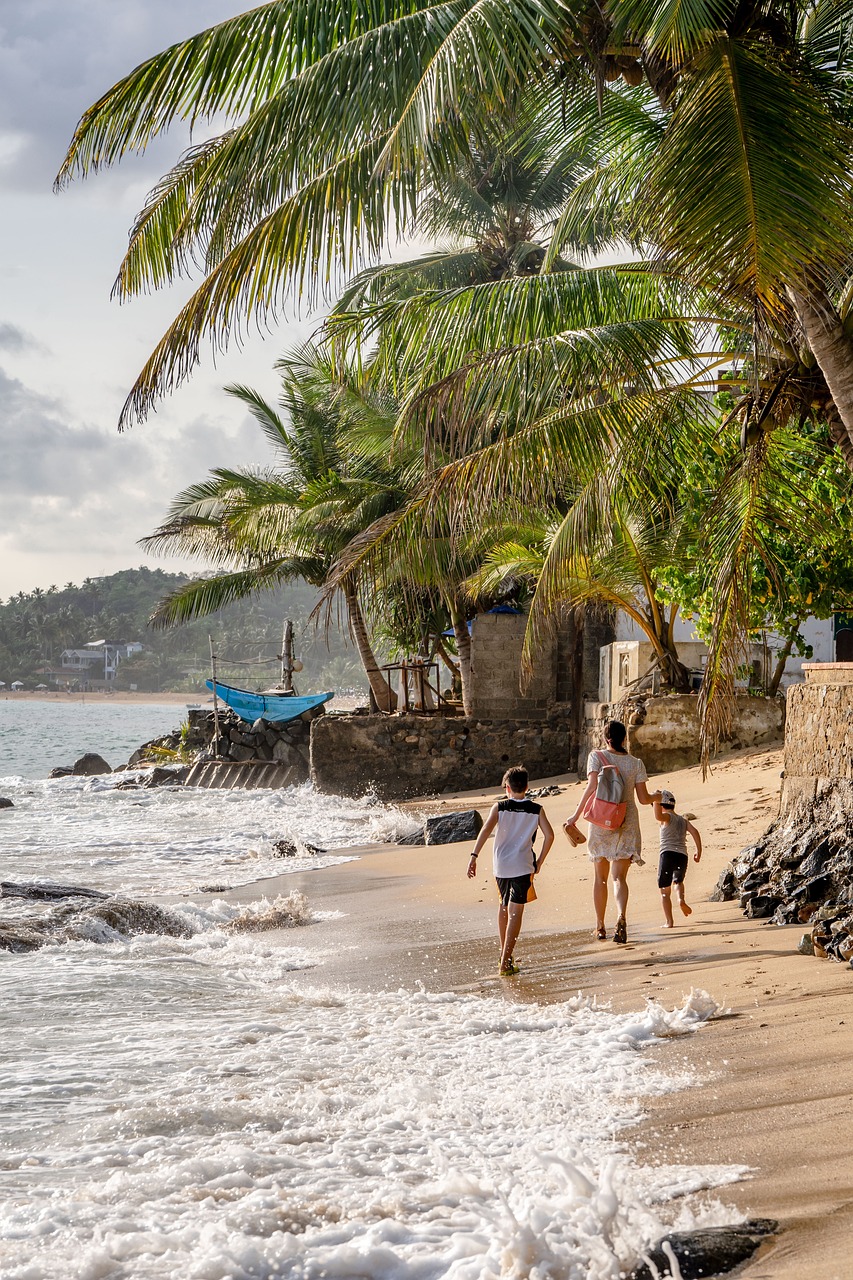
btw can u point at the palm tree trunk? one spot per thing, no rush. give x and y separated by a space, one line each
386 699
833 350
781 658
463 648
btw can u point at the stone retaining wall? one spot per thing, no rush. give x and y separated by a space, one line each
285 744
819 741
396 757
664 731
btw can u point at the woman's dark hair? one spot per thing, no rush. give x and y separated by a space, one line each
615 733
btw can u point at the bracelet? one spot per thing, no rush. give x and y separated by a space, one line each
475 856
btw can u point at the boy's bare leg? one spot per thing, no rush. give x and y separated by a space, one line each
666 903
514 912
599 890
502 925
679 893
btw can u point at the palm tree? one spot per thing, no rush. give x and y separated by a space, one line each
338 122
292 521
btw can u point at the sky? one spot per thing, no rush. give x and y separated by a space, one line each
75 494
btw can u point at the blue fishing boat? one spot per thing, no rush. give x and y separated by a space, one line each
275 707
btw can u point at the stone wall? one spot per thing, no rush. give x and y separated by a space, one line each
664 731
396 757
819 739
286 744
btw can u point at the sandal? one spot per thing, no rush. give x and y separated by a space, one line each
621 932
601 934
509 970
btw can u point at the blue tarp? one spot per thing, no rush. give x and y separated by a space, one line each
278 708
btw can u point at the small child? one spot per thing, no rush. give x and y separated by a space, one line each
672 868
517 820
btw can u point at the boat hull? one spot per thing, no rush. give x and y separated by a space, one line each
276 708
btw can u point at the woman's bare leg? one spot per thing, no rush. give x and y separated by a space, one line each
599 890
619 871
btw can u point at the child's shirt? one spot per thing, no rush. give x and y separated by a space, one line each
673 834
518 821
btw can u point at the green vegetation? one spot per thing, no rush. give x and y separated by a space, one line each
506 414
36 627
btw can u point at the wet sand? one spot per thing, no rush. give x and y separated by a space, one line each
774 1091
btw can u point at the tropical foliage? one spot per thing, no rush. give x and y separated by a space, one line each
705 147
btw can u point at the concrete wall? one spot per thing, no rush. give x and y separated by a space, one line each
396 757
665 732
819 739
496 643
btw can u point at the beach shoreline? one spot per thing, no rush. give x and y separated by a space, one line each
765 1096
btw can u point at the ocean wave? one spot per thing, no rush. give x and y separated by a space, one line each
117 920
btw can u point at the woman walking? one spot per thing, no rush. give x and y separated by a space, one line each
613 851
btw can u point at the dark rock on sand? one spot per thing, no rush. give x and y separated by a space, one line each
414 838
725 889
90 765
761 906
287 848
453 828
712 1251
47 892
6 803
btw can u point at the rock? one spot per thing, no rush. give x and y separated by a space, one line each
6 803
61 771
725 889
711 1251
813 890
415 838
283 849
453 828
163 776
761 906
90 765
47 892
815 863
805 945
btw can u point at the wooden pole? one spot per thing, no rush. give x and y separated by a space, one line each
287 657
215 702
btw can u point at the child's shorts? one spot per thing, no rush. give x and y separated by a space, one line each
513 889
672 869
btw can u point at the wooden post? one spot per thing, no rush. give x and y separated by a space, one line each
287 657
215 702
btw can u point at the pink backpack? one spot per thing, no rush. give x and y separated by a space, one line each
607 807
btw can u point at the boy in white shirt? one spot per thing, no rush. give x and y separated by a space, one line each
517 820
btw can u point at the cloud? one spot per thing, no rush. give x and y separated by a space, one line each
69 487
57 57
17 340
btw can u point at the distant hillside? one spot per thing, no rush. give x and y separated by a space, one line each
36 627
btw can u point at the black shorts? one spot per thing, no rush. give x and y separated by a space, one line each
513 889
672 869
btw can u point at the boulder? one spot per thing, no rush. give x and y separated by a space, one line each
414 838
90 765
710 1251
61 771
453 828
6 803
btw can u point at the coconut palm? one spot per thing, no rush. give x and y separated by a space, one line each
264 527
338 120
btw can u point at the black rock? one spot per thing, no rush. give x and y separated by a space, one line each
47 892
416 838
6 803
815 863
164 776
453 828
90 765
813 890
761 906
709 1252
61 771
725 889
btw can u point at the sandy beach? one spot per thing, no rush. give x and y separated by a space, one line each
773 1091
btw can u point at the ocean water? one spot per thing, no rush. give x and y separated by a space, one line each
37 736
183 1095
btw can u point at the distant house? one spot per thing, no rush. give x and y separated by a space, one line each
94 666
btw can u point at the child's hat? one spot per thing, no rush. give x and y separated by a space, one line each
667 800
